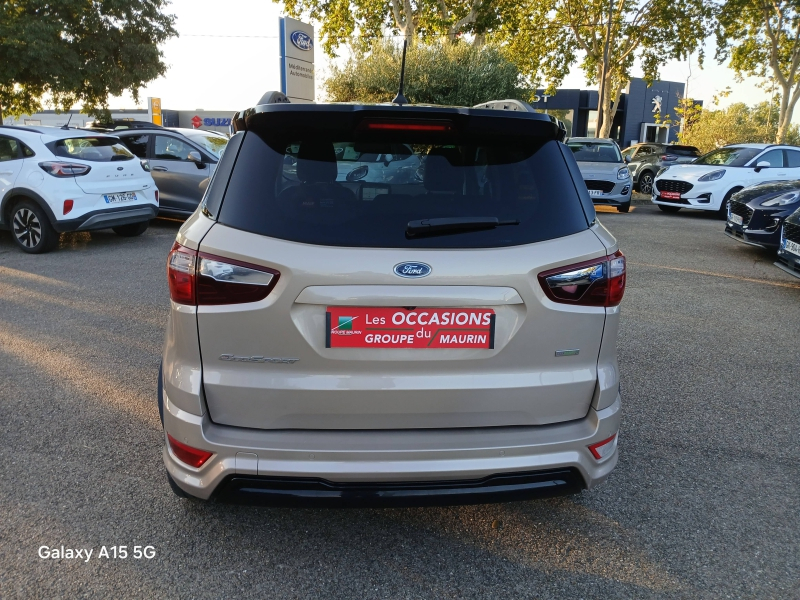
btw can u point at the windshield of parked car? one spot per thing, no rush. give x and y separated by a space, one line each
351 193
729 157
595 152
97 149
213 144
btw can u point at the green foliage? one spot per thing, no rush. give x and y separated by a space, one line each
78 51
360 23
544 38
736 124
457 74
762 39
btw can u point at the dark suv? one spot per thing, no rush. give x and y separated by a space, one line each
644 161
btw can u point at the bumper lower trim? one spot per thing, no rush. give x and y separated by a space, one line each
285 491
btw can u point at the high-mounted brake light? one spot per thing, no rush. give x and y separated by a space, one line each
201 279
194 457
604 448
426 126
64 169
598 282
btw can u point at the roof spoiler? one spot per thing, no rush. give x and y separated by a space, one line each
270 97
520 106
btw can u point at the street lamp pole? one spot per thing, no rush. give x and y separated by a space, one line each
601 99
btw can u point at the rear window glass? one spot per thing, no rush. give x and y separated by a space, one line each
682 150
345 193
97 149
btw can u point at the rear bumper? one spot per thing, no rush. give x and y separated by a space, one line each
437 466
112 217
281 491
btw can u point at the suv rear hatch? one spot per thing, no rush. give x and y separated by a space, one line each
329 213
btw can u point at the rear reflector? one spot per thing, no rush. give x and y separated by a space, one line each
598 282
156 196
200 279
186 454
604 448
68 204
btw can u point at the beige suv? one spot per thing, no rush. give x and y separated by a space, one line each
392 305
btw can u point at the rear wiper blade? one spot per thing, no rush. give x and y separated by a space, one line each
447 225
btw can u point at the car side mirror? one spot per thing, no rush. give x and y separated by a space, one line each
626 158
195 157
761 165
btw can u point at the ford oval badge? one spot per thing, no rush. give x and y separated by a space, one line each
412 269
302 40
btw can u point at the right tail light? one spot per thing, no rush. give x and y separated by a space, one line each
598 282
200 279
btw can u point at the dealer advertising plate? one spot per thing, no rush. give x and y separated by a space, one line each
418 328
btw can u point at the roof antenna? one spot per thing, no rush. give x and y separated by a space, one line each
400 99
66 125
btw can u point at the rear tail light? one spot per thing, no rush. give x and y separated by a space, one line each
64 169
598 282
193 457
430 126
145 164
68 204
605 448
198 278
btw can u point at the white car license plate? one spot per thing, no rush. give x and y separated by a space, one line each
792 247
737 219
122 197
595 192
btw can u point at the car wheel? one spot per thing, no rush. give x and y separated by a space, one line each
624 207
646 183
669 209
722 213
131 230
32 230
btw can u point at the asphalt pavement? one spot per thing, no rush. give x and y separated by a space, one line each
705 502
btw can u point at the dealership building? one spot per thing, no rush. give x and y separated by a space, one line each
635 120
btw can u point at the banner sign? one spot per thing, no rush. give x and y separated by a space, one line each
382 327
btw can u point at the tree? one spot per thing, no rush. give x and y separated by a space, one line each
78 51
737 124
361 22
762 37
545 38
450 74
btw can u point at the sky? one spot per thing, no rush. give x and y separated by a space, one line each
226 60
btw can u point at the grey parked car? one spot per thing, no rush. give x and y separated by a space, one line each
604 171
182 162
645 160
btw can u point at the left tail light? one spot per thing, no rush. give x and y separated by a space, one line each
598 282
199 279
64 169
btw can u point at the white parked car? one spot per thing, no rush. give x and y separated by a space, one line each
56 179
709 182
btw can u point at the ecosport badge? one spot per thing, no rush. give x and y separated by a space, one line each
302 40
259 359
412 269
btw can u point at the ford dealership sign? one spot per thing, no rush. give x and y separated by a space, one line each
302 40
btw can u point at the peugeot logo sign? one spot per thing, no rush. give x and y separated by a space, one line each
412 269
302 40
